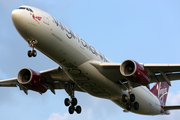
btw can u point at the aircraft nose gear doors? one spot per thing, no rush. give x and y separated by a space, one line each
32 52
73 102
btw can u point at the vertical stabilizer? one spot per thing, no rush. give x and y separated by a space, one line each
160 90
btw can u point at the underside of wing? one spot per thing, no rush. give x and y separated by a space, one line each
57 79
9 82
156 72
50 79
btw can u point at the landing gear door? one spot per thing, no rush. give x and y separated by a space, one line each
45 18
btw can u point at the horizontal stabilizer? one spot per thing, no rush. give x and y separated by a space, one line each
171 107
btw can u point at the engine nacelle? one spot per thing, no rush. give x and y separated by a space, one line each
134 72
32 80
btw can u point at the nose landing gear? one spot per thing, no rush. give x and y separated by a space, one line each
32 52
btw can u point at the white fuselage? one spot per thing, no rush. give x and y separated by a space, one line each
75 55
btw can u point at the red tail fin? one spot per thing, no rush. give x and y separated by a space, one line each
160 90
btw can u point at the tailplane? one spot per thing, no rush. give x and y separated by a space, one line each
160 90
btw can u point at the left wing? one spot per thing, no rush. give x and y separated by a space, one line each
9 82
55 79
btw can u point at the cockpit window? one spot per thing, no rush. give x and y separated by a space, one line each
22 8
28 9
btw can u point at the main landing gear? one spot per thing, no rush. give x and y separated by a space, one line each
32 52
73 102
73 106
130 100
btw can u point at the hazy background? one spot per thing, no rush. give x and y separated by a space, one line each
145 31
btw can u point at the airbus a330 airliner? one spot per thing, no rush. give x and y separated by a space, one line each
83 68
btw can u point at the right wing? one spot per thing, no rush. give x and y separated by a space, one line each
157 72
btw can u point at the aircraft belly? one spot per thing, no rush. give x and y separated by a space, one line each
90 80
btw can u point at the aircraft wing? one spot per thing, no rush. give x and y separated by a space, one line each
157 72
55 78
9 82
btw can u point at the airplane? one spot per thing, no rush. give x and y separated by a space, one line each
83 68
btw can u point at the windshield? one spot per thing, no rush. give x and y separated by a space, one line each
28 9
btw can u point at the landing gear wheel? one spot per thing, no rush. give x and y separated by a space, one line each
78 109
29 53
132 97
67 102
128 106
124 98
34 53
71 109
74 101
136 105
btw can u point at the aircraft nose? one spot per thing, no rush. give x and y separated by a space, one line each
17 18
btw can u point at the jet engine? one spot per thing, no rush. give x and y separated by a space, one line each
32 80
134 72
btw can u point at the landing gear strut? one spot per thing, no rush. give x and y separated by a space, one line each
32 52
73 102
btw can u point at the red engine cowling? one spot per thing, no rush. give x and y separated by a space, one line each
32 80
134 72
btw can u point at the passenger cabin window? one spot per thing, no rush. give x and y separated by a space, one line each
28 9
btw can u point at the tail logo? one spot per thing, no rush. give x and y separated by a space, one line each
162 92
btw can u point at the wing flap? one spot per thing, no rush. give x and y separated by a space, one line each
56 74
155 68
159 78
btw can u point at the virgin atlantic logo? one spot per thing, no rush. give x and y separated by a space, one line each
36 18
161 92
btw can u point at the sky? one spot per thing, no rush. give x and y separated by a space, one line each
145 31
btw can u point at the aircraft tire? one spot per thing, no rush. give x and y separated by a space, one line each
128 106
136 105
74 101
34 53
124 98
78 109
67 102
132 97
71 109
29 53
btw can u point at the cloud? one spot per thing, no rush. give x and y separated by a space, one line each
57 116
